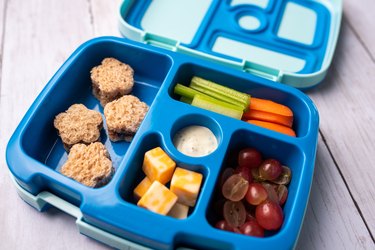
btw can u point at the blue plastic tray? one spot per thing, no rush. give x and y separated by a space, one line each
288 41
35 152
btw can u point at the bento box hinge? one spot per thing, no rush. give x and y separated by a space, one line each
262 71
161 42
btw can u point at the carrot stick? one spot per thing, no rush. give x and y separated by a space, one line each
273 126
270 106
254 114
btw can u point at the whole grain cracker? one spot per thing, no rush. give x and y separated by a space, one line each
90 165
78 125
111 80
124 116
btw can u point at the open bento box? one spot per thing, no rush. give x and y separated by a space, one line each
210 48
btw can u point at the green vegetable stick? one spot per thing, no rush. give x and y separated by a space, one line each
182 90
217 106
219 91
220 96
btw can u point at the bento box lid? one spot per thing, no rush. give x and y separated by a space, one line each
287 41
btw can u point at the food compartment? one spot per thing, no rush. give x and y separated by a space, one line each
130 188
253 86
287 154
36 153
72 84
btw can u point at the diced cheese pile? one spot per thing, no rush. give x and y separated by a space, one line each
152 193
186 185
158 198
158 166
142 187
179 211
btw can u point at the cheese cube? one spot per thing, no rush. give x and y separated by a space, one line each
158 198
179 211
141 188
158 166
186 185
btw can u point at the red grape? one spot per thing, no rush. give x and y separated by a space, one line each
223 225
225 175
245 173
235 188
249 158
270 169
256 194
252 228
234 213
255 175
285 176
282 193
269 215
271 191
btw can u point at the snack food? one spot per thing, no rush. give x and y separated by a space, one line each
111 80
186 185
220 99
78 125
141 188
161 172
158 166
195 141
89 164
124 116
158 198
179 211
252 206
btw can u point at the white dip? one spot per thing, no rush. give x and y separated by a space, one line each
195 141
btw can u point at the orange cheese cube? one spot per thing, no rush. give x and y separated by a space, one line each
186 185
158 166
179 211
141 188
158 198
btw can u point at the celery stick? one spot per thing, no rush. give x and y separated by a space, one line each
217 106
220 92
182 90
220 96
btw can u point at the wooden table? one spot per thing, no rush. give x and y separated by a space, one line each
37 36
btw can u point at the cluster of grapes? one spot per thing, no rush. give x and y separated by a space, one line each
253 194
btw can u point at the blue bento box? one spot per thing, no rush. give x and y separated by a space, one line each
109 214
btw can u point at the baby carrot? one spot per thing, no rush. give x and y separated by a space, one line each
273 126
260 115
270 106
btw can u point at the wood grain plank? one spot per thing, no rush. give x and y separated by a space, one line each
332 221
360 16
2 25
40 35
346 104
105 17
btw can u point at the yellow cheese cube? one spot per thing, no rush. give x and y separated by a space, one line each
186 185
158 166
158 198
141 188
179 211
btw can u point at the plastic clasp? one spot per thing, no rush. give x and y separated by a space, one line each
160 41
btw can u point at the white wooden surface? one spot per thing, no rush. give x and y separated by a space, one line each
37 36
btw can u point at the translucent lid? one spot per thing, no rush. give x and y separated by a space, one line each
286 41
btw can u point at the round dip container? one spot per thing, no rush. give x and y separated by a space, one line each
195 141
